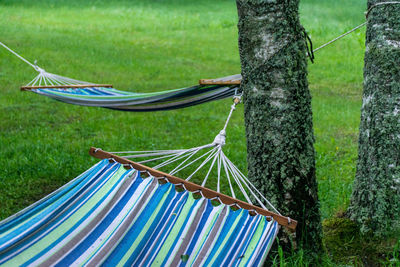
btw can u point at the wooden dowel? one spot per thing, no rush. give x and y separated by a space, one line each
217 82
27 88
192 187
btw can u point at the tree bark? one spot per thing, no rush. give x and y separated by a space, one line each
278 117
375 202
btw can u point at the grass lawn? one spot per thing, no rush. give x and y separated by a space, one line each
149 46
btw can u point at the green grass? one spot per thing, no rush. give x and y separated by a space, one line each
149 46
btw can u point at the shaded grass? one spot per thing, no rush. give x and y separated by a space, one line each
149 46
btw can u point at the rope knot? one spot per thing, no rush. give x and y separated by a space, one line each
219 140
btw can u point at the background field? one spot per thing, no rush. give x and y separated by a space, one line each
149 46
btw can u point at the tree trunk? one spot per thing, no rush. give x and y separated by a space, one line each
278 117
375 202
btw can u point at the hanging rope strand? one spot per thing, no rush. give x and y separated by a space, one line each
176 158
212 154
226 166
192 162
19 56
176 169
340 37
211 167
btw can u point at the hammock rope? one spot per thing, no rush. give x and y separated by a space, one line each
213 156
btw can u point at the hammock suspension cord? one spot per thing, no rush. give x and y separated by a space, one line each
44 77
199 157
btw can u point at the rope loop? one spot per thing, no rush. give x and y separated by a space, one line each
235 205
128 165
253 210
161 178
238 95
309 45
380 4
216 198
146 172
181 184
198 191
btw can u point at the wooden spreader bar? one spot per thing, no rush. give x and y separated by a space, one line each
28 88
192 187
218 82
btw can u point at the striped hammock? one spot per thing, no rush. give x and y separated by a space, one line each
109 215
128 101
97 95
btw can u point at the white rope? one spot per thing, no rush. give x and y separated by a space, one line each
147 151
230 165
203 163
233 107
219 172
175 158
213 155
212 165
43 76
20 57
176 169
153 154
193 161
340 37
226 166
254 188
33 81
155 159
227 176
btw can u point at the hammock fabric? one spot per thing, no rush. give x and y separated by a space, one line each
110 215
85 94
127 101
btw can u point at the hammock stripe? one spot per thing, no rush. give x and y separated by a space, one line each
129 101
109 215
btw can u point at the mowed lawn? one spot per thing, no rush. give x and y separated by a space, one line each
149 46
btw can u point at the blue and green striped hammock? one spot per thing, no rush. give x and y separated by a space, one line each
112 216
96 95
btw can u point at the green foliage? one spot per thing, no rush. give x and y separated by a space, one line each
297 259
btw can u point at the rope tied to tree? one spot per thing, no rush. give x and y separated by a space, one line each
357 27
380 4
309 45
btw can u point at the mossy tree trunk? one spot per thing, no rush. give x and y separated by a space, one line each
375 202
278 117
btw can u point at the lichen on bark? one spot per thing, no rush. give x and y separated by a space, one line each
375 202
278 117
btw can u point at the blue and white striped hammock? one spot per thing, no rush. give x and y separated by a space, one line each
111 216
